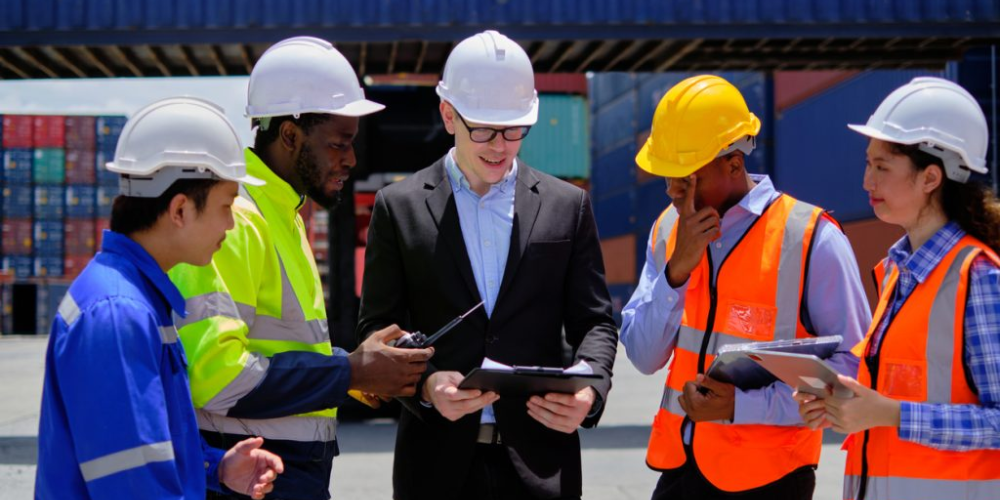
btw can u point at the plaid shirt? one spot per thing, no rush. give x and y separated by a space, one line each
952 426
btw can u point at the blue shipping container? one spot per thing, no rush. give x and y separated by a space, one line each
18 201
615 215
613 171
108 130
21 266
105 177
105 197
50 202
50 238
17 165
48 266
81 201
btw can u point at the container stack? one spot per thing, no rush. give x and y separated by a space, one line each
56 198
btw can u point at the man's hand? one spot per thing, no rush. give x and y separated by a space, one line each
865 410
379 369
249 470
695 230
562 412
812 410
719 403
441 390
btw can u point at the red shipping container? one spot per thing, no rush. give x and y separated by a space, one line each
17 131
17 236
80 236
80 166
73 264
49 131
100 224
81 133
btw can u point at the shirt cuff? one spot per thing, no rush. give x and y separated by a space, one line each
911 420
213 457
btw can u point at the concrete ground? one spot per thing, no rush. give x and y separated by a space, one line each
613 454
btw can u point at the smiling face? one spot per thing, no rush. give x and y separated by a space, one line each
483 163
898 192
326 158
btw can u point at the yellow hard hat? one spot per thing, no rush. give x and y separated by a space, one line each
696 120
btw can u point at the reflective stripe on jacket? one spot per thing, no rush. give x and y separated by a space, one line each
920 359
756 297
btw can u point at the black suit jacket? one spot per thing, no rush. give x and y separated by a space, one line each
418 275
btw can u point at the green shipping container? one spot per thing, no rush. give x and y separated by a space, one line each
50 166
559 143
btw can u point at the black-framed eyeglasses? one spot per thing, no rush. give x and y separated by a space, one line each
486 134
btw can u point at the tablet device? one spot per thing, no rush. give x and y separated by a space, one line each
732 365
803 372
525 382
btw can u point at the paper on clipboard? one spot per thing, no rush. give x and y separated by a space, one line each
509 380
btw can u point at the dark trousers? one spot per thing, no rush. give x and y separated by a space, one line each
493 477
688 483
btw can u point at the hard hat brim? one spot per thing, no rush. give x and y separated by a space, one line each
873 132
661 168
358 108
355 109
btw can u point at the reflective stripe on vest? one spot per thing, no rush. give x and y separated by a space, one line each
771 254
302 428
920 359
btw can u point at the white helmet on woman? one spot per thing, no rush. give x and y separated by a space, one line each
177 138
940 116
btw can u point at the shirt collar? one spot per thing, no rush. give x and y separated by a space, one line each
459 181
921 262
119 244
757 200
279 192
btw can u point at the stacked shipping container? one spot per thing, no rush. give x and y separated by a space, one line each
52 212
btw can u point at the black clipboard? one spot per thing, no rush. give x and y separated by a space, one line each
526 381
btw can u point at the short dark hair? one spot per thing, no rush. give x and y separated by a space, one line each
130 214
306 122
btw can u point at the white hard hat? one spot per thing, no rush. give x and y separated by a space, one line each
177 138
305 75
489 80
940 116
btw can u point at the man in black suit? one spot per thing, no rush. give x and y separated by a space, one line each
478 225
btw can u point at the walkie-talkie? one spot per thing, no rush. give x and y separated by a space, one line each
417 340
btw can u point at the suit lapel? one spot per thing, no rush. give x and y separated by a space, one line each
527 201
441 203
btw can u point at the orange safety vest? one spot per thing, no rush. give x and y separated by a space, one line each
765 270
920 359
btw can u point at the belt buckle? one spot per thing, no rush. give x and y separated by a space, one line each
488 434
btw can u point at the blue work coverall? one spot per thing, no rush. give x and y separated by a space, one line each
117 419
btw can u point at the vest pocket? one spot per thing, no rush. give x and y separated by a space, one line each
903 379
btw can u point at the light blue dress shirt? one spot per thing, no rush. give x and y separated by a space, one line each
486 223
836 304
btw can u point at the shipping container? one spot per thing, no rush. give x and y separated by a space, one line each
81 166
50 202
48 266
108 130
81 201
17 131
619 259
81 133
100 224
17 165
615 124
49 131
615 215
80 236
74 264
50 295
105 197
49 166
558 144
49 238
18 201
22 266
17 237
105 177
614 171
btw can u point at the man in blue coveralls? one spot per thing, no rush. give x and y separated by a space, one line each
117 419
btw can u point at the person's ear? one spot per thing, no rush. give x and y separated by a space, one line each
734 165
931 178
289 135
448 117
177 209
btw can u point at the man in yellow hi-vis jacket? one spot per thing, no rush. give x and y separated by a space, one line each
256 335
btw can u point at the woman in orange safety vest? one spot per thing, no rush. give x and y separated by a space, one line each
924 421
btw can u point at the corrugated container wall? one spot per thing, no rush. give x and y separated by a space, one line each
559 143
